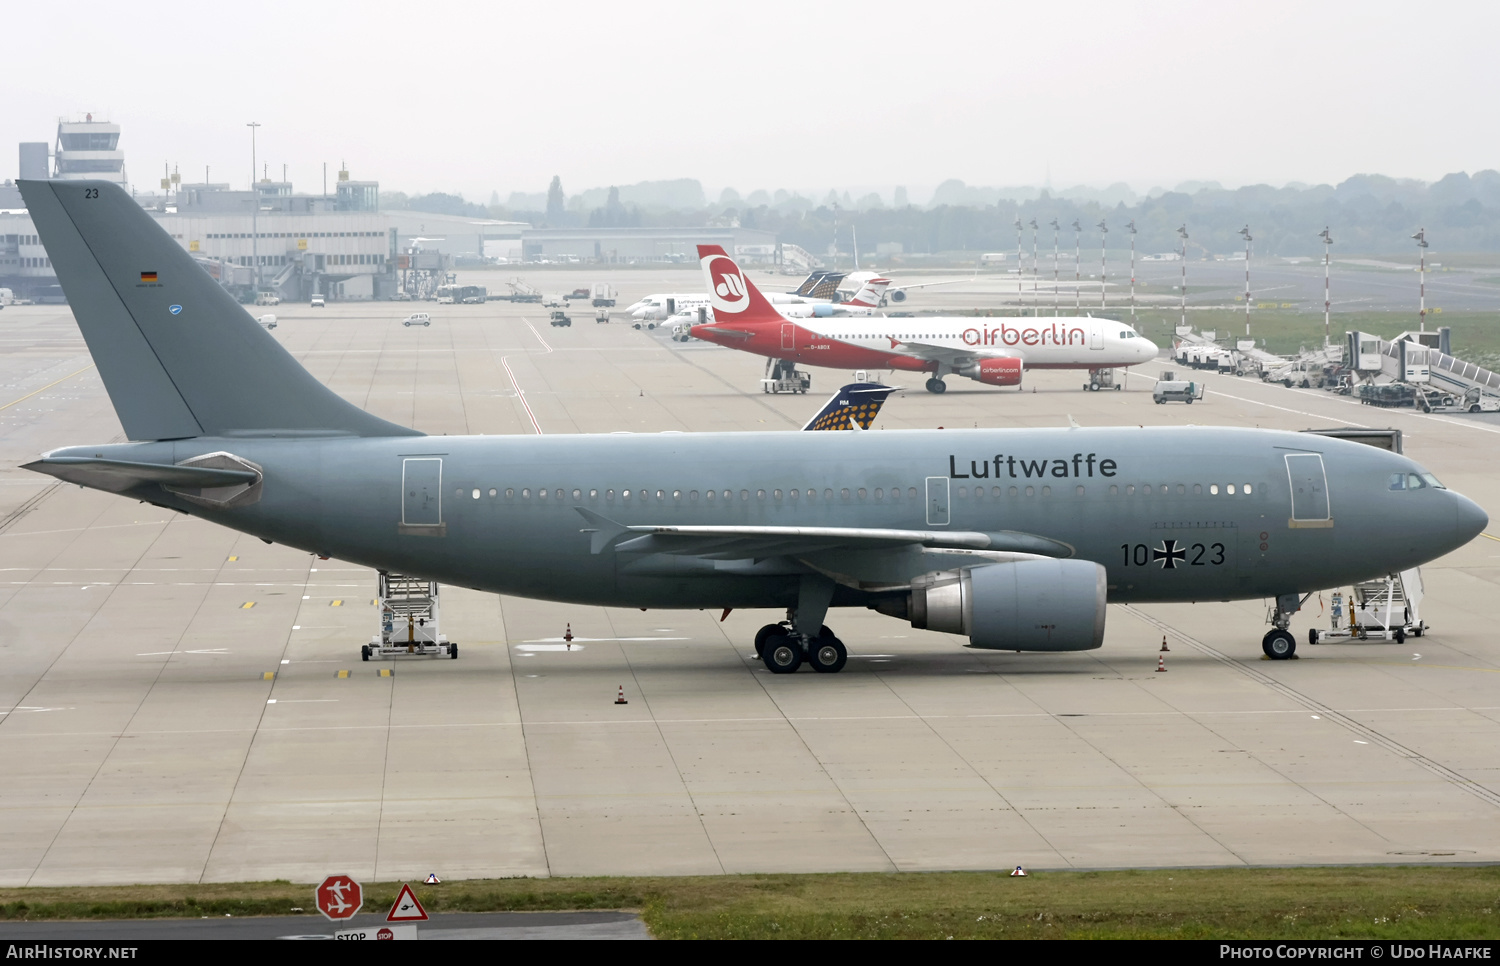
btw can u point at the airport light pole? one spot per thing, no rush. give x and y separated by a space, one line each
1182 289
1020 269
1327 304
1421 237
254 209
1103 231
1055 230
1130 227
1077 266
1246 233
1034 268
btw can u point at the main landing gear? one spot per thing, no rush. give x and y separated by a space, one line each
786 646
935 384
1279 644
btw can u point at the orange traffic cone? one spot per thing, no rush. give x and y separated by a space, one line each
621 698
1161 663
1164 648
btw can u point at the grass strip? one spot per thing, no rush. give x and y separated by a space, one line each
1406 902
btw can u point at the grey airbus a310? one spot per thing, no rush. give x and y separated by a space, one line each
1015 538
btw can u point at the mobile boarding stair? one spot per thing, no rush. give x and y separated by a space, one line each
409 622
1388 609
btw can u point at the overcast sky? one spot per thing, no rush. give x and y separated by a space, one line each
475 98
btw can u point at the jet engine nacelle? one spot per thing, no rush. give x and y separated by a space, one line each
996 372
1029 605
897 296
823 311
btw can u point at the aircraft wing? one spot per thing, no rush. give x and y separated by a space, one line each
946 281
948 355
739 542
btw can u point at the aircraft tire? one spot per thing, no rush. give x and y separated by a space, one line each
827 654
1279 645
763 635
937 386
783 655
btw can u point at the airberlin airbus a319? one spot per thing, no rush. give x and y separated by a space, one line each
992 351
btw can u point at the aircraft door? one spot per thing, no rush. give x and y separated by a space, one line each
1096 338
937 501
1309 487
788 335
422 492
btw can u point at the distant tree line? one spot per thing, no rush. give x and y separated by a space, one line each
1365 213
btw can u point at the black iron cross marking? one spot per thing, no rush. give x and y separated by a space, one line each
1168 555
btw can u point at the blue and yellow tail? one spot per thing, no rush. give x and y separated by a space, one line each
852 407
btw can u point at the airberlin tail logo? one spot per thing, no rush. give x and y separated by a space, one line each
729 287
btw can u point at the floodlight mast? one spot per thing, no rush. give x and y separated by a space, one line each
1077 266
254 209
1130 227
1327 304
1182 289
1020 270
1055 296
1103 231
1034 269
1421 237
1246 232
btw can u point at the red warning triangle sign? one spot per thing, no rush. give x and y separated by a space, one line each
406 907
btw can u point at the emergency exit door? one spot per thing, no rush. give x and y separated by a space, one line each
937 501
788 335
422 492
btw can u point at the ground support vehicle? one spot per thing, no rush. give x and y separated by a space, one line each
1387 395
784 376
560 318
1101 379
409 622
417 318
1473 400
1170 389
1388 609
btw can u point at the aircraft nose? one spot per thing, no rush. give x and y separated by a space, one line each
1147 349
1469 520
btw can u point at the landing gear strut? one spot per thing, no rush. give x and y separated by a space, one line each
786 646
1279 644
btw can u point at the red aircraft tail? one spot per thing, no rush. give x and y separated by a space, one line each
735 298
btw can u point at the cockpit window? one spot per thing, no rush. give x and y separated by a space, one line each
1398 481
1433 481
1127 334
1414 482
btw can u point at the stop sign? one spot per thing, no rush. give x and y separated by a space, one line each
339 897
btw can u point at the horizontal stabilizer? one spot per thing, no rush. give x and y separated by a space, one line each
117 476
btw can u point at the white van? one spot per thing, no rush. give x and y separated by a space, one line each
317 302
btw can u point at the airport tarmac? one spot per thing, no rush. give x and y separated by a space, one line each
171 708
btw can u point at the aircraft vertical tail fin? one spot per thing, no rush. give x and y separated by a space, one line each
870 293
735 298
178 355
853 407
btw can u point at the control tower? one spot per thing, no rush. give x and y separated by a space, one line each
89 149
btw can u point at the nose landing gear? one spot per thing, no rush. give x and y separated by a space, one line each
1279 644
936 385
